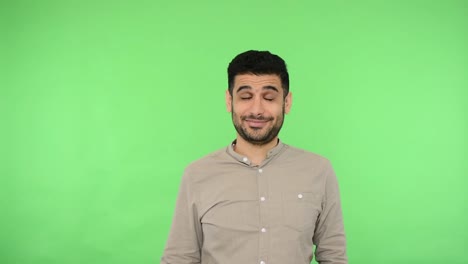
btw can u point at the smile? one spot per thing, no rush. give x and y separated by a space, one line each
256 122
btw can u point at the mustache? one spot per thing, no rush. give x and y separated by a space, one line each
260 118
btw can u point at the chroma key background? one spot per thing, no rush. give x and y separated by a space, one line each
103 104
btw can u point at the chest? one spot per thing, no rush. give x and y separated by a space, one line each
249 198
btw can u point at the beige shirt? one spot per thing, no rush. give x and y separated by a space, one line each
229 211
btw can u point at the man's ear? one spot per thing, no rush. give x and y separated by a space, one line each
228 101
288 103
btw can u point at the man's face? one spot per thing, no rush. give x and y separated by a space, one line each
258 106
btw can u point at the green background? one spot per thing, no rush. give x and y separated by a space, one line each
103 104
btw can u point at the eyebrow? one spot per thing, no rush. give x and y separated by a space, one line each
248 87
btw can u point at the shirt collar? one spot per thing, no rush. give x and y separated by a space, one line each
243 159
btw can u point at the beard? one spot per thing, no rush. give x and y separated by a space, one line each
254 135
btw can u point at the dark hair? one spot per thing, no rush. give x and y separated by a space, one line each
258 63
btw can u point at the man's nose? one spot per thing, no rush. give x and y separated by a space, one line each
257 107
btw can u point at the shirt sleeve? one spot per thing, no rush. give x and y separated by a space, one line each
329 236
185 236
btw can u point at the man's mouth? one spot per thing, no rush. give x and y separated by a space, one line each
257 122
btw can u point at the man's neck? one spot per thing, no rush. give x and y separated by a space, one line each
255 153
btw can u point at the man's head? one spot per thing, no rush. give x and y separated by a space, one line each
258 95
258 63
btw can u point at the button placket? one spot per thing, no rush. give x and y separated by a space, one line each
262 198
262 180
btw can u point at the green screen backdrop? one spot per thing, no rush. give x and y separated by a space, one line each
103 104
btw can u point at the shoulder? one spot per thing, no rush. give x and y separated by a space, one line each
208 161
299 155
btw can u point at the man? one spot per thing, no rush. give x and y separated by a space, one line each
258 200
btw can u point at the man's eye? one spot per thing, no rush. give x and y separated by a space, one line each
246 97
269 99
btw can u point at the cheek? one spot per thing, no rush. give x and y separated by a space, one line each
277 110
235 113
239 109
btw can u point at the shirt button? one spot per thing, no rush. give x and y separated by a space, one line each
262 262
260 170
300 196
263 230
245 159
262 199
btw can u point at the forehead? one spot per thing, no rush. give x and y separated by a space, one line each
257 81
